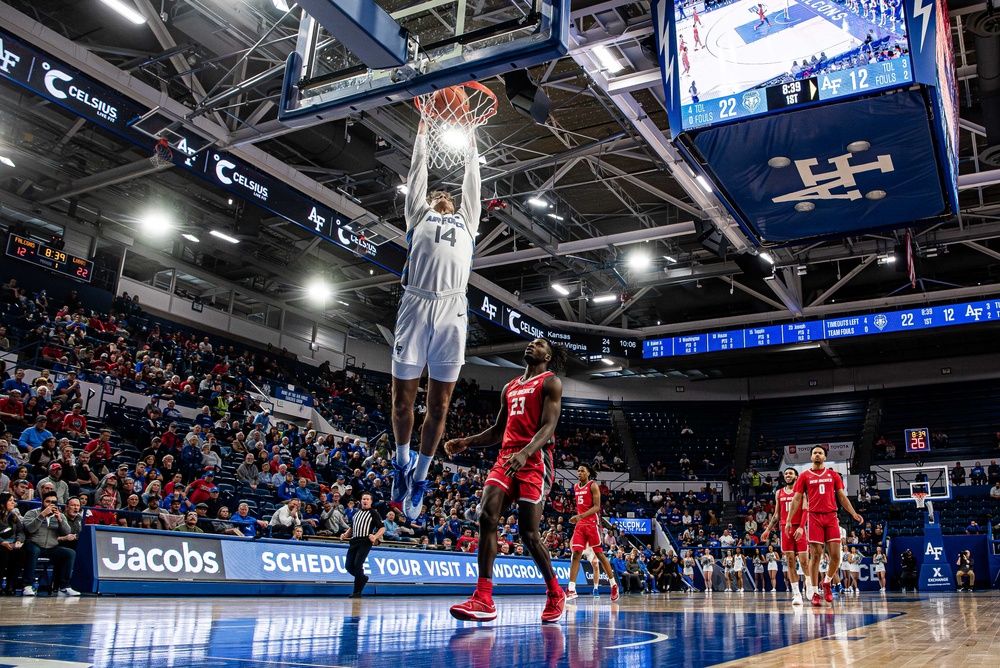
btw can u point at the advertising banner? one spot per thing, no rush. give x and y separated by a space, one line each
170 557
632 525
292 396
839 451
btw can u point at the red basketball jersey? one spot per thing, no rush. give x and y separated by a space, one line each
785 504
584 502
820 487
524 412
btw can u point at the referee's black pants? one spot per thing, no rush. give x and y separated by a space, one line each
356 555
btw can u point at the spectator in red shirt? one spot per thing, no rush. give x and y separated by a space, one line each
11 408
100 450
305 470
468 543
198 490
171 440
104 515
75 424
56 414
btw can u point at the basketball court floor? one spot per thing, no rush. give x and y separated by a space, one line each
410 632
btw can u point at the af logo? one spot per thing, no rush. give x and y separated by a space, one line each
751 101
823 185
936 551
7 59
399 349
971 312
316 219
489 308
881 321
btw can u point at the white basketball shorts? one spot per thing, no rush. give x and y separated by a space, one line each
430 332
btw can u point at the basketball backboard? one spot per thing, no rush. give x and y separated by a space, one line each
930 479
449 42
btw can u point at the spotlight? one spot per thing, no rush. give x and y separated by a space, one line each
156 223
192 238
705 185
538 202
606 297
766 257
126 11
454 138
319 291
607 60
560 289
639 260
670 258
7 161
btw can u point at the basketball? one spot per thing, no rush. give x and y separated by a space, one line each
451 103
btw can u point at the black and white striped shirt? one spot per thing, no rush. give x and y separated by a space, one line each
365 523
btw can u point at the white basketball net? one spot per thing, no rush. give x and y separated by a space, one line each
452 131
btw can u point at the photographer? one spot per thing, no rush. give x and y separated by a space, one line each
964 564
908 571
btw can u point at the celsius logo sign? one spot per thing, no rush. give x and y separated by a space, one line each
227 174
56 84
137 560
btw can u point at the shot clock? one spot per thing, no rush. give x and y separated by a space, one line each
917 440
38 253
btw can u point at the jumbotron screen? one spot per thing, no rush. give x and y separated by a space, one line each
742 59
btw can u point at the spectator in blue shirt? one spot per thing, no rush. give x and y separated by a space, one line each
68 389
454 526
303 493
204 418
440 532
978 474
286 490
17 383
391 528
246 523
262 420
33 437
973 528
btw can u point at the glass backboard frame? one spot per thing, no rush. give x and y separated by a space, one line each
903 482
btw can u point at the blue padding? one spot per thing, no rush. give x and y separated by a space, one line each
364 28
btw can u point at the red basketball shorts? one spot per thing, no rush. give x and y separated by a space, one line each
530 484
586 535
789 544
823 528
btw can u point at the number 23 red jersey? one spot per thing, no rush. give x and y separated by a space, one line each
524 399
785 504
820 487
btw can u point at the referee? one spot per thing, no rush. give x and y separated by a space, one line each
365 532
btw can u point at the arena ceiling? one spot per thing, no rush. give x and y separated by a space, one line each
601 160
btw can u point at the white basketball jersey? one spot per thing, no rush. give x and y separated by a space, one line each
440 246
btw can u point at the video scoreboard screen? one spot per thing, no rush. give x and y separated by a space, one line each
745 59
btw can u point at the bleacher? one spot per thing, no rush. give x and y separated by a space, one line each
805 420
968 412
656 429
905 519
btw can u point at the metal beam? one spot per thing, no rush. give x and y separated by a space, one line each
624 307
982 249
845 280
753 293
786 296
653 190
111 177
583 245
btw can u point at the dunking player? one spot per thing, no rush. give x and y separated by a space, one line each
822 487
762 15
524 472
587 532
432 323
790 546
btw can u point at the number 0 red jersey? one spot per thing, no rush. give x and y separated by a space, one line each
784 499
820 488
584 502
524 412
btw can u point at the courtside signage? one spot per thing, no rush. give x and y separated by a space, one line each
632 525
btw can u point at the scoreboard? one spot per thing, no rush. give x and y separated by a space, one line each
38 253
928 317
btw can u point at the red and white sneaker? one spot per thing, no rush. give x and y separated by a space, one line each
572 595
554 606
816 600
474 610
615 594
827 591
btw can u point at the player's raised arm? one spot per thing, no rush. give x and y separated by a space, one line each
551 408
416 181
492 436
472 206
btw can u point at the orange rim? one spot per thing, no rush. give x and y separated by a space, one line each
475 85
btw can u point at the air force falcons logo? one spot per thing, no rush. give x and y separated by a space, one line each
881 321
751 101
837 184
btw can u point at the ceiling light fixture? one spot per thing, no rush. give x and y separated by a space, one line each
225 237
538 202
7 161
606 297
766 257
156 223
192 238
319 291
560 289
126 11
403 189
607 361
555 216
607 60
639 260
703 182
801 270
454 138
670 258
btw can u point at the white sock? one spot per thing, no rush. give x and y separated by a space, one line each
423 466
827 579
795 588
403 453
572 586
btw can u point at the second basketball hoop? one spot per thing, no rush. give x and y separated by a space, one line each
451 116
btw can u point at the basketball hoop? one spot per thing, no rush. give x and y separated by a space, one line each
162 155
451 127
920 498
